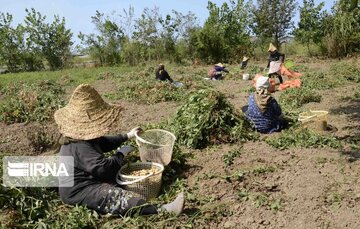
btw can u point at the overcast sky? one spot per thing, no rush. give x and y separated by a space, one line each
78 13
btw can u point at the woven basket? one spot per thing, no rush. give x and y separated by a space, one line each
156 145
147 186
315 120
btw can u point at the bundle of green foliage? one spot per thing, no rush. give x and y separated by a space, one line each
294 137
294 98
26 102
208 118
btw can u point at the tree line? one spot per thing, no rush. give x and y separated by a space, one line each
231 31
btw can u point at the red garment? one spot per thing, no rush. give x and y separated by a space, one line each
290 84
289 73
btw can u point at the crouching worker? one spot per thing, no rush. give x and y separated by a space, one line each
216 73
263 110
162 75
84 123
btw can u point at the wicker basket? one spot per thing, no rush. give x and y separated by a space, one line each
147 186
315 120
156 145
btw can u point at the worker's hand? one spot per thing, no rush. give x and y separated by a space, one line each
125 150
132 132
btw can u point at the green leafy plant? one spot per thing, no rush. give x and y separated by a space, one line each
150 91
320 80
350 72
208 118
31 102
294 98
229 157
304 138
263 169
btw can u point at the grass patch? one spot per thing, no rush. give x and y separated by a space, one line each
304 138
320 81
294 98
26 102
142 87
347 71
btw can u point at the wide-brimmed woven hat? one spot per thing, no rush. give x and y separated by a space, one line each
86 116
272 48
219 65
245 58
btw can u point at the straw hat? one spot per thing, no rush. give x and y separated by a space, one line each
272 48
262 82
86 116
245 58
219 65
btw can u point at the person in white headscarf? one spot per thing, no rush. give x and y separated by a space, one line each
263 110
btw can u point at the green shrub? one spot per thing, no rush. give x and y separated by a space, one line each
26 102
344 70
294 98
304 138
208 118
320 81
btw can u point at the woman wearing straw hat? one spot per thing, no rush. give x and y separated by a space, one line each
263 110
84 123
275 60
244 62
216 73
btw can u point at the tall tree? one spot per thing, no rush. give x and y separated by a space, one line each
272 19
224 36
105 46
18 49
310 27
342 28
53 40
146 33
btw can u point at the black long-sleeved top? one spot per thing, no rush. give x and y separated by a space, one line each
91 167
162 74
275 57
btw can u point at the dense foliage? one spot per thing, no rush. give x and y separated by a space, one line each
304 138
25 47
25 102
273 19
208 118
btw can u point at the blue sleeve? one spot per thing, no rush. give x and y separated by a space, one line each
275 107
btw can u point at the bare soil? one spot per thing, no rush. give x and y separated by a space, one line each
299 188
